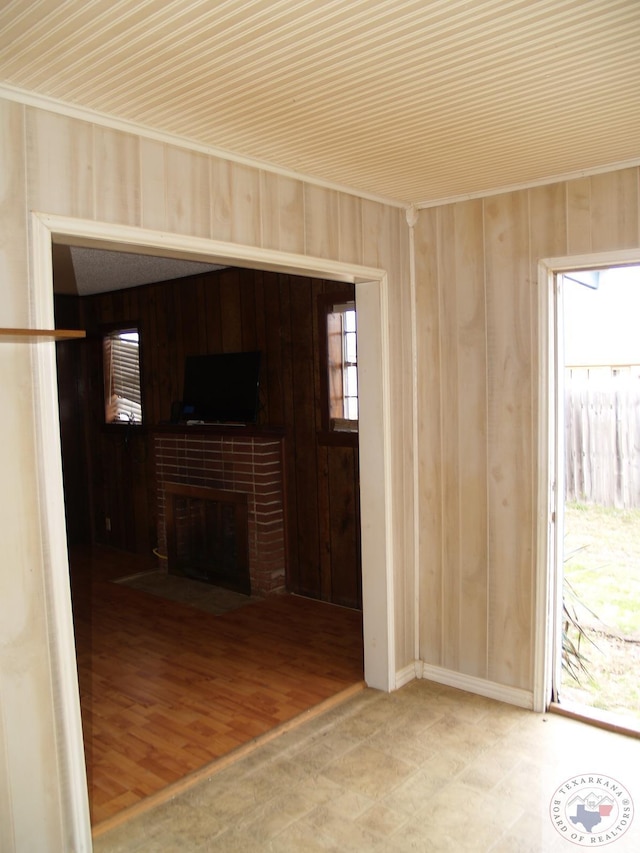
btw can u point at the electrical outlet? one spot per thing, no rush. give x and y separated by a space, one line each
107 524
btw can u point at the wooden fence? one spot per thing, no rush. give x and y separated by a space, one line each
602 435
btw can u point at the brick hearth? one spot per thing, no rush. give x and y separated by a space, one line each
245 463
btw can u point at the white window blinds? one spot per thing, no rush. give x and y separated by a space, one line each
123 400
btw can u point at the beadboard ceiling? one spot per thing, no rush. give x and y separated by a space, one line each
414 101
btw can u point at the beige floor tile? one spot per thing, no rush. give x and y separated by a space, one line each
491 767
267 781
427 768
454 732
446 764
457 810
368 771
345 834
317 789
415 793
412 750
223 803
171 828
420 837
322 749
380 716
300 838
383 819
231 841
528 782
270 819
350 805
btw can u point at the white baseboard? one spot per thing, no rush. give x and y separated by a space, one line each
409 673
479 686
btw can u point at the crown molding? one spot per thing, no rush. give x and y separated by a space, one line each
44 102
527 185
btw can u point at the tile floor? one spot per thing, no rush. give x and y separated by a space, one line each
426 768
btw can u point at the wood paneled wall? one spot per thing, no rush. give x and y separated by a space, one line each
79 167
73 423
477 351
226 311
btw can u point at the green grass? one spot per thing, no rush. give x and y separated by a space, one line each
602 565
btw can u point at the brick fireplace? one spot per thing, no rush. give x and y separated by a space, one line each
214 479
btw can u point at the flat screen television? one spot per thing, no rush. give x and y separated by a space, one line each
222 387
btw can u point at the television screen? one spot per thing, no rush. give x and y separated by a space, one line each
222 387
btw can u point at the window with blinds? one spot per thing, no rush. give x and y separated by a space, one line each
122 397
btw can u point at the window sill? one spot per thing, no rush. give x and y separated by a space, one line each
122 425
337 438
343 425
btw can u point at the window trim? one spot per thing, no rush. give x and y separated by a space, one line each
329 434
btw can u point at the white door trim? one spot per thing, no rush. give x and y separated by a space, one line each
547 492
375 458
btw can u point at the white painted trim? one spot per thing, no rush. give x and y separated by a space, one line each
468 683
385 440
53 105
528 185
375 455
69 740
619 258
545 569
412 221
479 686
94 234
375 481
407 674
543 606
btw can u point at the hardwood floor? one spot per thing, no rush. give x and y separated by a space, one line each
166 689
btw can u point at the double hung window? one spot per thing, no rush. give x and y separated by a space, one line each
342 367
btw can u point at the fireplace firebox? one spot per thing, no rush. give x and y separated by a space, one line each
221 504
207 535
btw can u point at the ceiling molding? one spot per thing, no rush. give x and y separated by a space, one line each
33 99
528 185
44 102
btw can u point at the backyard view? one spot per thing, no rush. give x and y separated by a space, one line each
601 585
602 588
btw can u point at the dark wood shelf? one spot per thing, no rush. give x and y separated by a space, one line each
222 429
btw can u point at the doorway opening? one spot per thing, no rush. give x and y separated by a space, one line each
219 491
596 671
374 447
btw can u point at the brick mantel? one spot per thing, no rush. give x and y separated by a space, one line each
241 460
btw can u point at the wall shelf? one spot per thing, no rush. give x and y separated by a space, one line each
42 334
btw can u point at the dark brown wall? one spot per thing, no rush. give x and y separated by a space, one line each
72 423
228 311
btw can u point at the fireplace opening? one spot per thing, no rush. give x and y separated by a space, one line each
207 535
203 464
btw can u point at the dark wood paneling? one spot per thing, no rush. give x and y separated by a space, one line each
229 310
74 448
344 525
303 432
